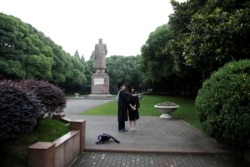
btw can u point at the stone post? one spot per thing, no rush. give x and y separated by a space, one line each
42 154
79 125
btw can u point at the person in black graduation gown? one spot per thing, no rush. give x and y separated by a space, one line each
123 99
133 107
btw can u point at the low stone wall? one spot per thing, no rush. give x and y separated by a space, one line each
62 151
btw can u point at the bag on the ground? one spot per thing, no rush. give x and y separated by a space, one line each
105 138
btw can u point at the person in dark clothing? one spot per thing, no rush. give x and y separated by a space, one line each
123 99
133 107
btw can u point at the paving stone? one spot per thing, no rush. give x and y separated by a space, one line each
156 142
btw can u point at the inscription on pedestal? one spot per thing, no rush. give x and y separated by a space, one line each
98 81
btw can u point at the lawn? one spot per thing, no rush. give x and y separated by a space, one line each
186 111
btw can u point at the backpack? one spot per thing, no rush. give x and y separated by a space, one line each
105 138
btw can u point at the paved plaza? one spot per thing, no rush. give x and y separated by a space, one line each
156 142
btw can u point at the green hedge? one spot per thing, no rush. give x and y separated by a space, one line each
223 105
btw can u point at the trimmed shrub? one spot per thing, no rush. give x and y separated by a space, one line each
50 95
19 110
223 105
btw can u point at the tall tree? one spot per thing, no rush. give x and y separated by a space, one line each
26 53
82 59
218 34
120 68
157 62
77 54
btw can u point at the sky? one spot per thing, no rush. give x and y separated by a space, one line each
124 25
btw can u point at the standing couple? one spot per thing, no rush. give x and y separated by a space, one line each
128 104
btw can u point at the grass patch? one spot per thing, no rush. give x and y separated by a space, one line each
186 111
14 153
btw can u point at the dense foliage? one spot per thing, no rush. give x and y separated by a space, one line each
26 53
23 104
157 62
120 68
19 110
15 153
219 33
51 96
223 104
200 37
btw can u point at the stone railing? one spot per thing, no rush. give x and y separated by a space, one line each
61 152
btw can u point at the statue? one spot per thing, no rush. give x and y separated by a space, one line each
99 59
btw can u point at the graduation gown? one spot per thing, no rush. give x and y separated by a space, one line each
123 99
134 114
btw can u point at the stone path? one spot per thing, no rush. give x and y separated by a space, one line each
156 142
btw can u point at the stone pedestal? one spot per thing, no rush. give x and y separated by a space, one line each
100 83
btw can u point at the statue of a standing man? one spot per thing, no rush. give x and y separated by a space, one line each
99 59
